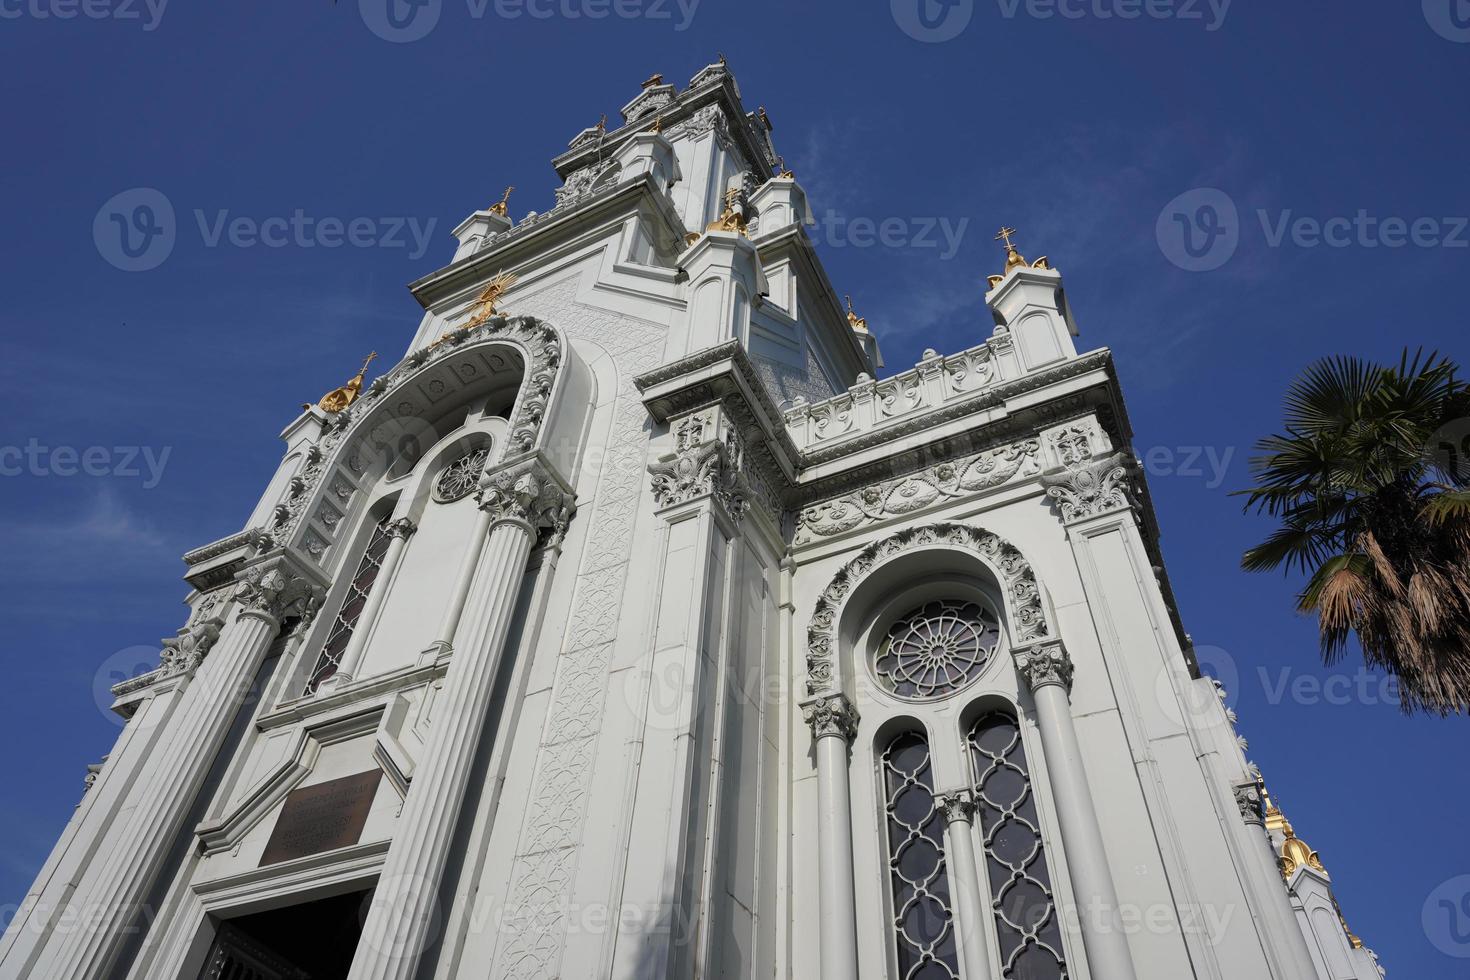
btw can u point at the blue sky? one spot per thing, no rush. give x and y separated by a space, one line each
1087 130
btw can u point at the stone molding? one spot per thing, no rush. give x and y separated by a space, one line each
1025 614
831 714
1091 488
1045 664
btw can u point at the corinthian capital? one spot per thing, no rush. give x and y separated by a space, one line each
526 493
401 528
706 462
275 590
1043 664
831 714
956 806
1091 488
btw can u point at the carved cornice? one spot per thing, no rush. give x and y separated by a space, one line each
1091 488
1026 618
1045 664
831 714
957 807
223 546
918 491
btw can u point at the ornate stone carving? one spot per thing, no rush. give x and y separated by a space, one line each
1026 619
401 528
1043 664
525 494
1249 799
581 183
275 591
1073 445
185 652
956 806
917 491
831 714
1092 488
706 462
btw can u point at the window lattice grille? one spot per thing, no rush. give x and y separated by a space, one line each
937 649
352 605
1026 923
923 936
460 477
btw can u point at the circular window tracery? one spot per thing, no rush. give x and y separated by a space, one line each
460 477
937 649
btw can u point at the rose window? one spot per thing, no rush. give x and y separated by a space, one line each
461 476
937 649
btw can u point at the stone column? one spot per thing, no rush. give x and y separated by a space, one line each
1046 670
399 532
970 918
403 918
1292 955
833 721
223 672
443 642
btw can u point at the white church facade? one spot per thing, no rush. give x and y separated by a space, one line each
627 627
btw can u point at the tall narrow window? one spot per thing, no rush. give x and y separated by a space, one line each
922 933
1029 935
352 604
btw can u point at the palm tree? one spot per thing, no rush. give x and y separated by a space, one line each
1371 487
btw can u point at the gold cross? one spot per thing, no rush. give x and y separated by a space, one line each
368 360
1005 236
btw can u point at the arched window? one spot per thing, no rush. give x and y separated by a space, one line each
1027 928
352 604
923 936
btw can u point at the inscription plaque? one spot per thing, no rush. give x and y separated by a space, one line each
322 817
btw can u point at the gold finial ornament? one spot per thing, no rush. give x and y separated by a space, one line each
502 206
602 124
785 171
1014 258
854 321
730 219
658 124
654 79
489 296
341 398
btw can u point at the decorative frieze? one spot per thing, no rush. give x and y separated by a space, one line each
1026 618
831 714
918 491
1092 488
1045 664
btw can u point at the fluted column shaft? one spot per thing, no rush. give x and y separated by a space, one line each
970 913
1047 670
347 668
170 785
464 577
402 919
833 721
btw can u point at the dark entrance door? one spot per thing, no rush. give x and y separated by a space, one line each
311 941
